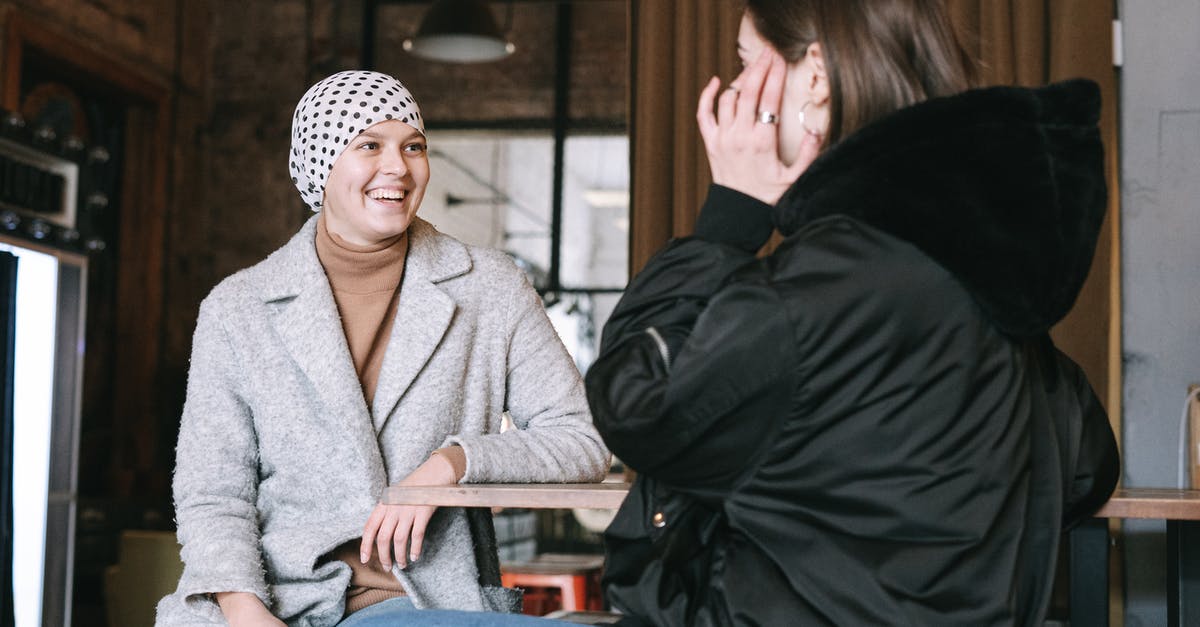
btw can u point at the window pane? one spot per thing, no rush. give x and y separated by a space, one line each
579 318
595 249
493 189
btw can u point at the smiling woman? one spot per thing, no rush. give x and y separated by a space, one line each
371 350
376 185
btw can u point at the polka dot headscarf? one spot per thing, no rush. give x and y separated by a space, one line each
334 111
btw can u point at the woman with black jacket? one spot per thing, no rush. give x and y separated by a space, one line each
869 425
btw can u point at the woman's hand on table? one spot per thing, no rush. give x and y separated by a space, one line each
243 609
398 531
743 152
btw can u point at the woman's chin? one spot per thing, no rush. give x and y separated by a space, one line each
392 224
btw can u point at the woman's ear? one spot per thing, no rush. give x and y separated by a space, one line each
820 79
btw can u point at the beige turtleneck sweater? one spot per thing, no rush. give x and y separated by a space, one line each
365 281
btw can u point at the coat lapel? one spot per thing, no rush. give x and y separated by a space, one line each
423 314
310 329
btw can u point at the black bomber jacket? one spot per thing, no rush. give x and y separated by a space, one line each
870 425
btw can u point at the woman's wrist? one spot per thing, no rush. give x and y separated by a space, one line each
239 604
456 458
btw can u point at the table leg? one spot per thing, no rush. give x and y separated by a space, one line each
1089 573
1183 572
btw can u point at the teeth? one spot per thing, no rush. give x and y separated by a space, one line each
386 194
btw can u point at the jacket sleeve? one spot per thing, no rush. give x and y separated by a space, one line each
695 362
1097 465
555 440
216 472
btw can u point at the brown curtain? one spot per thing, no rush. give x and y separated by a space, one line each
678 44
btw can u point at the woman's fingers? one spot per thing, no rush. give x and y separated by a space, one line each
742 135
420 522
751 85
397 532
400 537
771 100
384 540
704 108
370 531
727 106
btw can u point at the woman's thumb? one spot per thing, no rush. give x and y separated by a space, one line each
810 149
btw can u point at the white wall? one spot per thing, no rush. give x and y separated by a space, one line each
1160 259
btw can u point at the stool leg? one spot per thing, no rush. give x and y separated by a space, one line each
574 593
595 593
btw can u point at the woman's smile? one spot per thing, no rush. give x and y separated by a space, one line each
376 185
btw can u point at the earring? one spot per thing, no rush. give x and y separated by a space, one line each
804 118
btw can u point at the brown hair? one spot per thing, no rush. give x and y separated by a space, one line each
880 55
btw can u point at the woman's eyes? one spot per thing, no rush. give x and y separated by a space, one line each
414 148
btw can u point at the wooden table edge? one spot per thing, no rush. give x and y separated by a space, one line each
607 495
1152 503
1147 503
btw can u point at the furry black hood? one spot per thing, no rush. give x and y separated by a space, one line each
1002 186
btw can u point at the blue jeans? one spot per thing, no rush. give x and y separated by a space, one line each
400 611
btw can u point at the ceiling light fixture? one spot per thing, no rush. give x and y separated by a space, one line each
459 31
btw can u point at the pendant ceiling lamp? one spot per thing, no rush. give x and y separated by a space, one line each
459 31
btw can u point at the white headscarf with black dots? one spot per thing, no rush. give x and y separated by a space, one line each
334 111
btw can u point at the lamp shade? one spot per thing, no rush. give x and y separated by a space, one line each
459 31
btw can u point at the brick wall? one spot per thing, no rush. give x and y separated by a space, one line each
142 32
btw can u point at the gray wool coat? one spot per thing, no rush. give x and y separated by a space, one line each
280 460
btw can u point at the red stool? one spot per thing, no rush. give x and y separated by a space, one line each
576 578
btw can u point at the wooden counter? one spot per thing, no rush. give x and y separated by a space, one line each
1089 543
607 495
1161 503
1089 547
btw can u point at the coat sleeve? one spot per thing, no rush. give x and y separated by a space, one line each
216 472
695 363
554 440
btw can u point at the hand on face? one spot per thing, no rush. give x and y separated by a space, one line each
743 149
398 531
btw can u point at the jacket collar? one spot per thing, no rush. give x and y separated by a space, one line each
291 269
1004 187
307 321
